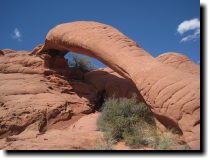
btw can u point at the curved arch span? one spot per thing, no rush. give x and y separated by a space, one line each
171 93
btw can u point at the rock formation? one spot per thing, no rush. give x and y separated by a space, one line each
108 81
22 121
81 135
172 94
38 91
180 62
111 84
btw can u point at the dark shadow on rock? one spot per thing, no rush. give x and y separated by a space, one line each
168 123
96 90
113 85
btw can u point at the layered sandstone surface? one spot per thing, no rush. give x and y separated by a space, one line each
43 100
36 92
172 94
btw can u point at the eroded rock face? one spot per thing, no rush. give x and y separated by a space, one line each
40 94
5 51
108 81
1 53
172 94
81 135
36 96
111 84
180 62
37 91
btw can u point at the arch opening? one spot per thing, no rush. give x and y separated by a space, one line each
58 62
101 95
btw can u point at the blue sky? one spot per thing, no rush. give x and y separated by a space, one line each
156 25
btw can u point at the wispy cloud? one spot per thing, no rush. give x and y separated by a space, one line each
17 35
193 36
189 25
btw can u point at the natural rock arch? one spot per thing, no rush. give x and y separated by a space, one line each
172 94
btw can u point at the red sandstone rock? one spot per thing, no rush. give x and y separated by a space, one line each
5 51
36 91
105 79
108 81
79 135
30 96
180 62
173 95
1 53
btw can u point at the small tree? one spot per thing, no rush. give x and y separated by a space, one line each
82 63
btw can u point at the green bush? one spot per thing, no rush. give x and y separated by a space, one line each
82 63
125 119
132 122
165 143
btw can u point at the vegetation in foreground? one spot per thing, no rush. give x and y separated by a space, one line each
132 122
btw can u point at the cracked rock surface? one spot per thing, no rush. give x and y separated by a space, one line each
32 93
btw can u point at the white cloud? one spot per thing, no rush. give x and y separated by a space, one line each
193 36
189 25
198 62
17 35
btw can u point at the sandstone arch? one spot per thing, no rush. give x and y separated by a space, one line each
172 94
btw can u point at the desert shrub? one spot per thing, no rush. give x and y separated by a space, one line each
132 122
81 62
126 119
144 135
165 143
